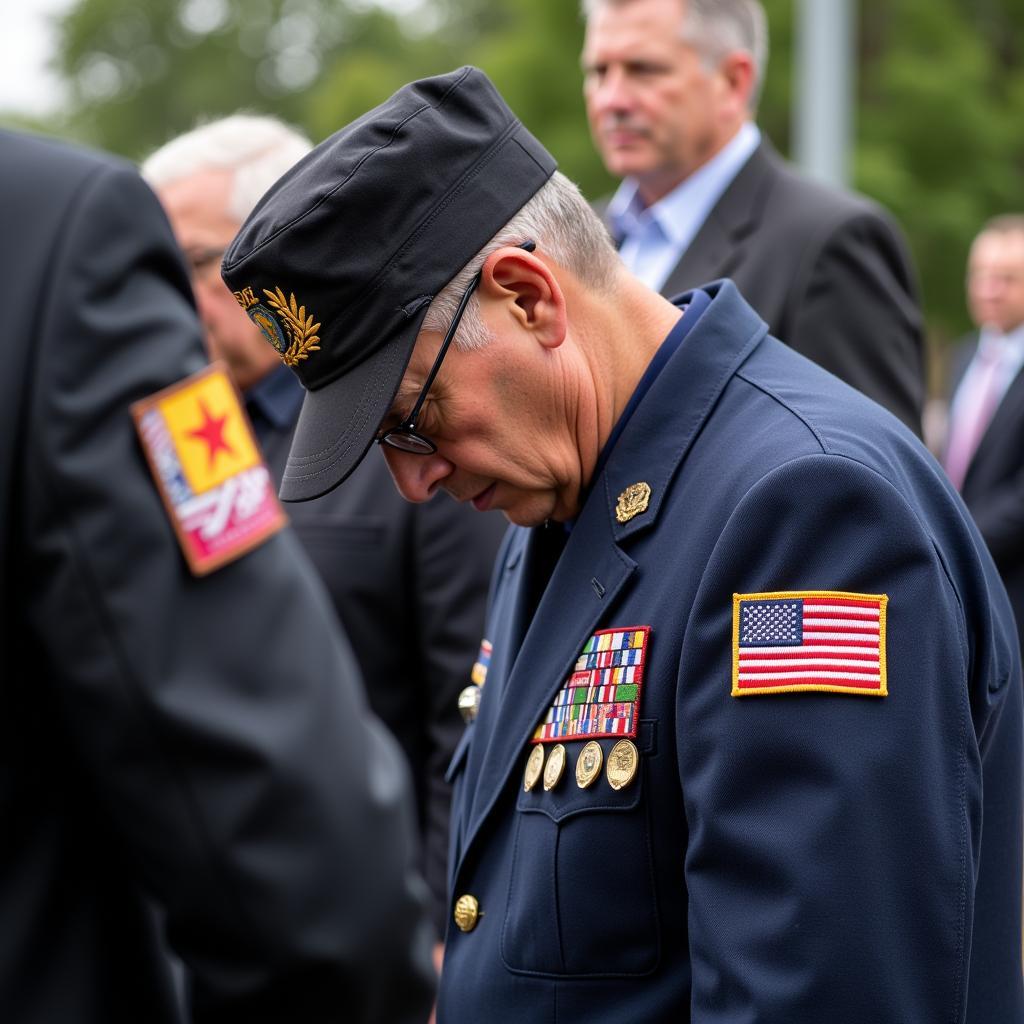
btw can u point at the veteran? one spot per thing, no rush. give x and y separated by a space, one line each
749 742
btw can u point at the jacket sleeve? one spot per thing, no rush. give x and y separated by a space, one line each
834 839
220 719
455 552
858 315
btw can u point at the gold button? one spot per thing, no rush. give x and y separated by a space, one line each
469 702
467 912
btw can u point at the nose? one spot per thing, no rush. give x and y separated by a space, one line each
609 91
417 477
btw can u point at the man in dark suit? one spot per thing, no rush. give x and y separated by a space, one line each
182 721
671 88
749 741
985 449
408 583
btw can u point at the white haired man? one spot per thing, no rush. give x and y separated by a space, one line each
749 741
671 89
408 583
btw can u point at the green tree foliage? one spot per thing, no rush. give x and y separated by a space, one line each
940 94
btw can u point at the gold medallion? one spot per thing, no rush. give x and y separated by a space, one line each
588 764
469 702
555 766
623 762
534 764
467 912
632 501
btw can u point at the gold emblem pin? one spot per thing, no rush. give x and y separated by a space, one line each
555 766
534 764
467 912
632 501
588 764
623 762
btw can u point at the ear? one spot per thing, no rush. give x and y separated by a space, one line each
529 289
737 70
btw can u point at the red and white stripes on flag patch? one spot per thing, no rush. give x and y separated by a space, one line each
794 641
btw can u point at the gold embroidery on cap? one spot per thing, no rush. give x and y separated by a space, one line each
632 501
245 298
301 329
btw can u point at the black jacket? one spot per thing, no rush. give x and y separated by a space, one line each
829 272
200 742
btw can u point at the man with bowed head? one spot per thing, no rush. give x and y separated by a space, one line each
409 583
749 739
671 88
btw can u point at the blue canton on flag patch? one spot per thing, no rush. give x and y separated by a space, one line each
602 695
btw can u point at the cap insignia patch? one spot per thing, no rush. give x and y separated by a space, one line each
218 493
632 501
290 331
794 641
602 695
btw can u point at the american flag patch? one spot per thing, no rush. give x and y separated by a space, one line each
602 695
802 640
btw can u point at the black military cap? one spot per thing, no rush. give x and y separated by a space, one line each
341 258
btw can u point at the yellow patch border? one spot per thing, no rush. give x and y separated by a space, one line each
783 595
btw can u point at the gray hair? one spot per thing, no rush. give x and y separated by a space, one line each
564 227
715 28
258 149
1004 224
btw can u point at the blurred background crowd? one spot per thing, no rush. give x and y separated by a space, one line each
937 135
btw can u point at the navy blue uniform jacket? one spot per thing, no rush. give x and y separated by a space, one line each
783 858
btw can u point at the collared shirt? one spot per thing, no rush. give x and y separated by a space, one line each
654 238
273 402
1009 349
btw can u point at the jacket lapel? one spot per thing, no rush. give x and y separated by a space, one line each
716 248
1005 422
591 572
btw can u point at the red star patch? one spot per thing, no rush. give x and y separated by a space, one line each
212 432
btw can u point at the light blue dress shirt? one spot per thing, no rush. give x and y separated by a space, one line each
654 238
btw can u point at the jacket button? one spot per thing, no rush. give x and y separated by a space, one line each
467 912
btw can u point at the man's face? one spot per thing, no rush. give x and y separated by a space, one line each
197 209
656 113
995 280
496 416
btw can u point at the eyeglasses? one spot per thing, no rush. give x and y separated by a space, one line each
405 437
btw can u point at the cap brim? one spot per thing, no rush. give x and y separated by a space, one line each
338 422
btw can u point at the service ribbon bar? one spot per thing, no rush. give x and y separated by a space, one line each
602 695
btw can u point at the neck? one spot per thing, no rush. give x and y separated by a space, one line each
625 333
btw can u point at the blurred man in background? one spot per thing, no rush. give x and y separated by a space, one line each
196 737
985 448
671 89
408 583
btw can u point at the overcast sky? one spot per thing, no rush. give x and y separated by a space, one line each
27 42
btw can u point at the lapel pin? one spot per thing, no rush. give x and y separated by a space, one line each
632 501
